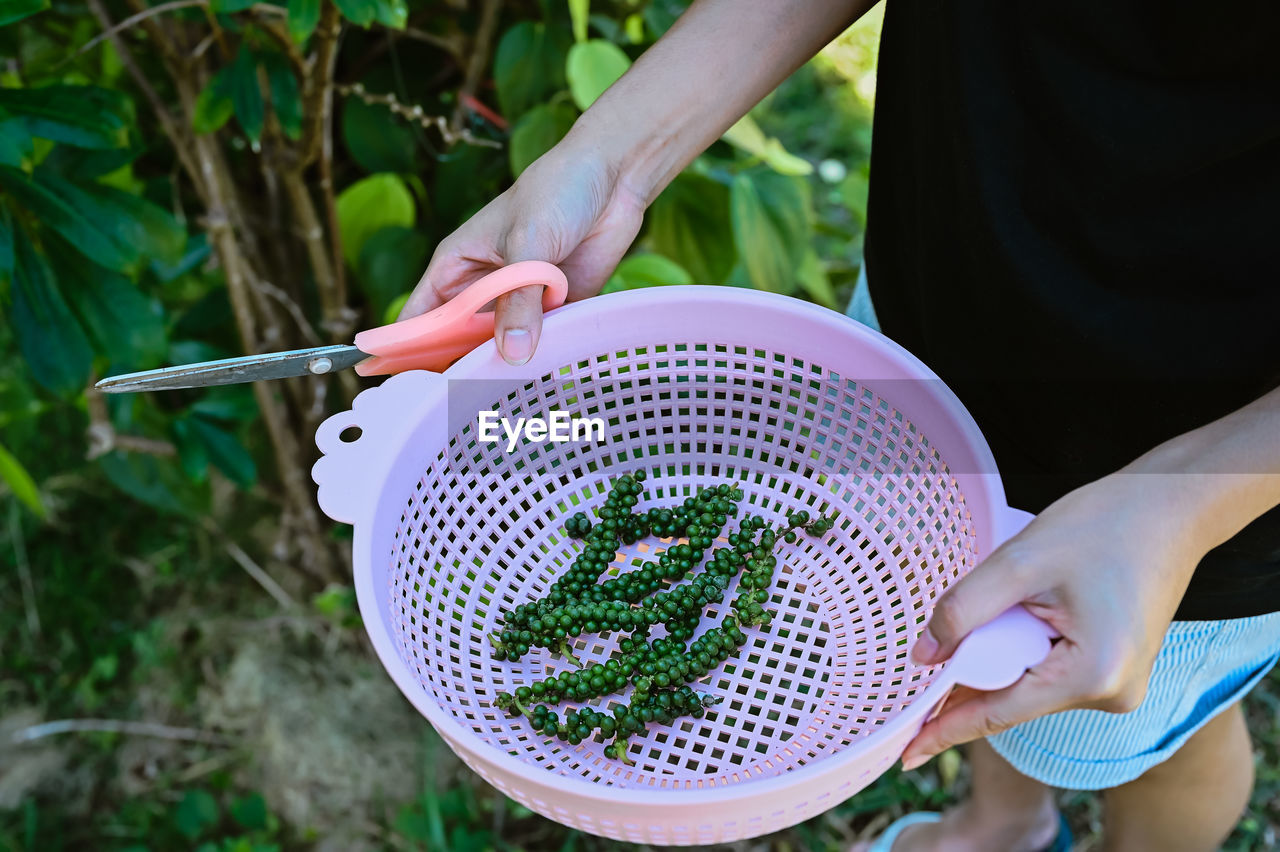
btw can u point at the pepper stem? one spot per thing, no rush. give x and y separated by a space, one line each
563 650
620 750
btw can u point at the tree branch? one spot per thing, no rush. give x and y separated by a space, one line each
480 49
322 59
177 134
137 19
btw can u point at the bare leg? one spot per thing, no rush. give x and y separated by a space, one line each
1006 811
1190 802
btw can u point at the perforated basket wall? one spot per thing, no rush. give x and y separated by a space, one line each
478 530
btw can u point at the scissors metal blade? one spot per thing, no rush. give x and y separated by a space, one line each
229 371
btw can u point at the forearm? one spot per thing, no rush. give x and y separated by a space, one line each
1222 476
718 61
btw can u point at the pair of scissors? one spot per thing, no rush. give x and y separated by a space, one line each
431 341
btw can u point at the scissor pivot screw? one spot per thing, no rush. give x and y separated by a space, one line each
320 366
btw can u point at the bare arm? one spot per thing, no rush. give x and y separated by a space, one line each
581 204
719 60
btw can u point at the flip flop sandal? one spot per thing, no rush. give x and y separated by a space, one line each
884 843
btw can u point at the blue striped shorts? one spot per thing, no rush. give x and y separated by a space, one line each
1202 669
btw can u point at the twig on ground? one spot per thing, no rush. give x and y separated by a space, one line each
253 569
24 571
115 726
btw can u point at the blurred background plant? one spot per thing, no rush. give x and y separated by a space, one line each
181 662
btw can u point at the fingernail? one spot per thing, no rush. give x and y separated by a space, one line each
925 648
517 346
918 760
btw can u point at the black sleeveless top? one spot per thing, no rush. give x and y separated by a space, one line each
1074 219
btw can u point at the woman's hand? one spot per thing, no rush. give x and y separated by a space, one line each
581 205
571 208
1106 566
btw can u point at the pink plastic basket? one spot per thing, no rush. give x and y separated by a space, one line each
803 407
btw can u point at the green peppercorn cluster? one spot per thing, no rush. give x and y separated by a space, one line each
635 601
560 615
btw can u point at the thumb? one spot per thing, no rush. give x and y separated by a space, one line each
517 324
996 584
517 321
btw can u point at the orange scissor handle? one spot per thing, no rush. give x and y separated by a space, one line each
437 338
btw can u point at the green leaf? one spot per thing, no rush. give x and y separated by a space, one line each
592 67
303 17
770 228
246 93
790 207
286 97
81 165
226 7
213 105
226 453
125 325
6 244
528 67
852 192
13 474
135 226
646 270
192 454
159 483
84 116
392 313
748 136
149 228
50 339
392 13
466 180
689 222
390 263
634 27
196 252
228 402
367 206
376 139
813 278
15 142
660 15
579 12
16 10
250 812
53 212
195 814
359 12
537 132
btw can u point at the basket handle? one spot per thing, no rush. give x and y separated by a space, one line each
350 466
1009 523
999 652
